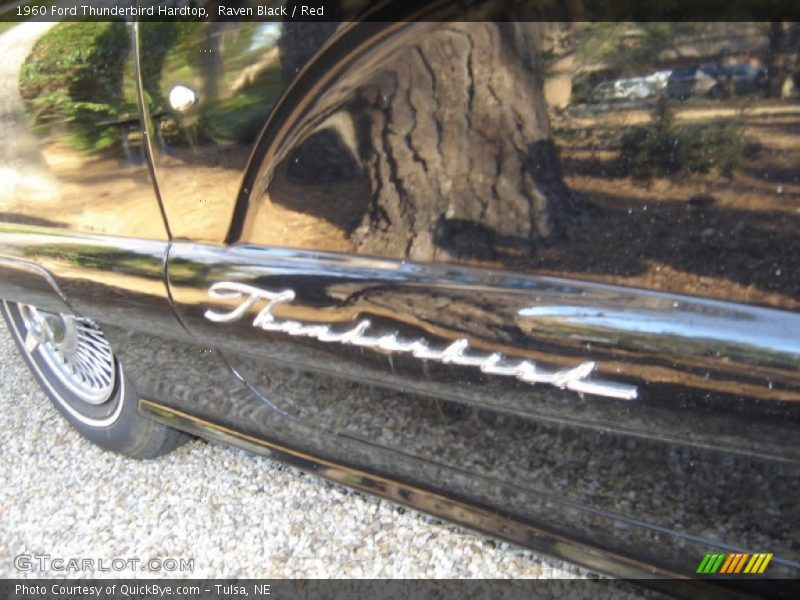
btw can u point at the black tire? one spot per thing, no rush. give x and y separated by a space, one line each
115 424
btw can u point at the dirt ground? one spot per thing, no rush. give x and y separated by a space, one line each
738 238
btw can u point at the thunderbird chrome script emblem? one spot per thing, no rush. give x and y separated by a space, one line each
456 353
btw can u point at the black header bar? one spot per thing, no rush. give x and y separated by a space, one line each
400 10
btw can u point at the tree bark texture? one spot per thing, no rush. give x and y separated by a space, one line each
456 143
782 55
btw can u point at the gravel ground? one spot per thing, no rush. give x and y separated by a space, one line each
235 514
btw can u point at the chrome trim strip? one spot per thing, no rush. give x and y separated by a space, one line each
456 353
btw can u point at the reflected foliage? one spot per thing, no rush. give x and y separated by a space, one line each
234 67
156 41
74 77
100 259
663 147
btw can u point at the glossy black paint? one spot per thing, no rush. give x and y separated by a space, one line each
591 458
23 281
708 397
65 168
703 458
116 280
694 384
605 490
78 204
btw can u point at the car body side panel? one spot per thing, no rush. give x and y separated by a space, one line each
614 386
113 280
24 281
724 227
541 390
577 462
660 365
78 208
66 165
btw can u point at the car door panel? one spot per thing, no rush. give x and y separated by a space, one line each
78 208
398 290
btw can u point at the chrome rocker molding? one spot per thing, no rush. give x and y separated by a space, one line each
575 379
473 516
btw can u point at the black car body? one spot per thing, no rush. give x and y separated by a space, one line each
693 81
367 250
715 80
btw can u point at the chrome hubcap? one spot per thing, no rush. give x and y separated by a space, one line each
75 349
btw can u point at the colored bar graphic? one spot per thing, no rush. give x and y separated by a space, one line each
730 563
711 563
766 562
740 563
758 563
704 564
718 563
727 564
753 562
733 563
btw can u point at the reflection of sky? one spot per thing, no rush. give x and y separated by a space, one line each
761 328
265 35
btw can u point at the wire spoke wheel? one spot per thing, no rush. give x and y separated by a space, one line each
72 360
75 349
